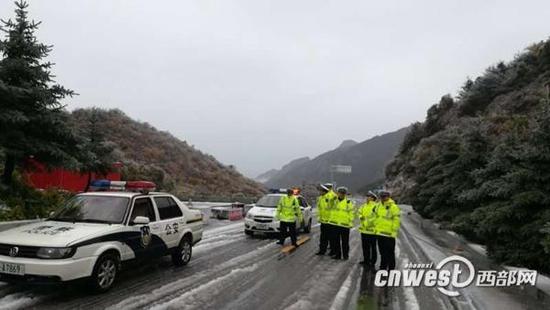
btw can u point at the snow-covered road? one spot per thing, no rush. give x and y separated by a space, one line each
231 271
421 241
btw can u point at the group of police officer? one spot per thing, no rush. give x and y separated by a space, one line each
379 222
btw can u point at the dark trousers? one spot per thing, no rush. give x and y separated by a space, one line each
331 236
286 230
340 241
324 239
386 246
368 243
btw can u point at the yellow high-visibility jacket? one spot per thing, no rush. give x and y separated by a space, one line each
325 204
388 219
367 217
343 213
288 209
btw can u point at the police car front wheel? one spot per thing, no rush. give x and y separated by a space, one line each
105 272
182 254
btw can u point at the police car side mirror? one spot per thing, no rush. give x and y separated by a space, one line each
140 220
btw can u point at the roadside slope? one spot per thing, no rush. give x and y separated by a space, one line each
175 165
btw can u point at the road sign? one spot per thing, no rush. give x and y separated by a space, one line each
341 169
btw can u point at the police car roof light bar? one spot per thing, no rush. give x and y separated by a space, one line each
143 187
130 186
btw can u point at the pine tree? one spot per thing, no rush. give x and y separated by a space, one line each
484 171
96 154
32 121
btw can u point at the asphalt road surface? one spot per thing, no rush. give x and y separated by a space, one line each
232 271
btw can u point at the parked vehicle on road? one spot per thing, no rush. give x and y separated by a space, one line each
95 234
261 217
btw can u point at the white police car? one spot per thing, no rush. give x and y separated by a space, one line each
96 232
261 217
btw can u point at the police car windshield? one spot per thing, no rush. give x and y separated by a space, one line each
268 201
93 209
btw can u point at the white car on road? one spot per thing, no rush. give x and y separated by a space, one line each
95 233
261 217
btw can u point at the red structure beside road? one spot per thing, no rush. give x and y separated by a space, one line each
38 176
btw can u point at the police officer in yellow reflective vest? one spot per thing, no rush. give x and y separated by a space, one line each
330 229
367 219
388 221
288 211
341 217
324 205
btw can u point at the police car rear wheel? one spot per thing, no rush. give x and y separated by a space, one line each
105 272
182 255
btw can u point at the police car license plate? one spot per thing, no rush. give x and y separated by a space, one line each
262 226
16 269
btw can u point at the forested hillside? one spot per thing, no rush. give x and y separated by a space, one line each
480 162
174 165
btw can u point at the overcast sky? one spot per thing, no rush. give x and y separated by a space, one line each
258 83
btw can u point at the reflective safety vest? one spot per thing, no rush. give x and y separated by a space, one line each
342 213
388 219
288 209
367 217
325 204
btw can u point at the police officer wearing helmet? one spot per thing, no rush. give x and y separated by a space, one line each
388 221
367 218
288 211
330 228
330 188
341 218
331 193
324 205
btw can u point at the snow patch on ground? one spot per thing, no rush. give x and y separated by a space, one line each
543 282
397 248
340 298
17 301
204 247
324 278
194 297
224 229
218 237
452 233
478 248
301 304
171 288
